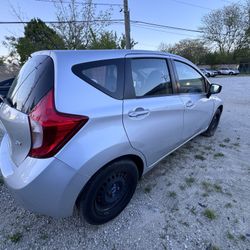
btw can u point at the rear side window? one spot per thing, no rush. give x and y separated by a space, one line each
150 77
190 81
106 75
33 82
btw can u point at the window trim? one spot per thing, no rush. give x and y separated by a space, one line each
119 62
177 78
129 92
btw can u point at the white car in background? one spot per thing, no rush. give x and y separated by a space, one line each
209 72
227 71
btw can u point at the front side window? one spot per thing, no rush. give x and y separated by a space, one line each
190 81
150 77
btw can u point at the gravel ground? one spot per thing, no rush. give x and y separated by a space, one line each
196 198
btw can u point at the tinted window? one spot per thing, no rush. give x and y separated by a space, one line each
190 81
106 75
34 81
150 77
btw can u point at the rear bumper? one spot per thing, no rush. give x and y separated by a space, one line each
46 186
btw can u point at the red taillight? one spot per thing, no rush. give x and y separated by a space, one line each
50 129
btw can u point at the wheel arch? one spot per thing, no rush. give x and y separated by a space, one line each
140 164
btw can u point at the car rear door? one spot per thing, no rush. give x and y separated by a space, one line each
192 87
33 82
152 111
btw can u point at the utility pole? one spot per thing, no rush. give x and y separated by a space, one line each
127 24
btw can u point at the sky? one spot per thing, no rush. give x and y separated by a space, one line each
178 13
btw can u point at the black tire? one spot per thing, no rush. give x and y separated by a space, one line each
230 73
213 124
108 192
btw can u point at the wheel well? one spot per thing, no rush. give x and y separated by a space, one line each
136 159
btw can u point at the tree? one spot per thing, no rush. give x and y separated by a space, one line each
37 36
192 49
1 60
77 35
108 40
226 28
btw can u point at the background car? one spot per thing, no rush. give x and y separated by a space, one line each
227 71
5 86
209 72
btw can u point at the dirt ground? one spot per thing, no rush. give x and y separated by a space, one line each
196 198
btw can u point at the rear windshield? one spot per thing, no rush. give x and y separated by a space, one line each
34 80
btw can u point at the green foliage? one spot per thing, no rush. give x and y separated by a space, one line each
210 214
37 36
1 60
192 49
16 237
108 40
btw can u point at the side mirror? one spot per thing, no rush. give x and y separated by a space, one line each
214 89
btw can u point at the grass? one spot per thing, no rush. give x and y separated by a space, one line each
217 188
147 189
228 205
209 187
230 236
189 181
222 145
172 194
227 140
210 214
242 237
205 194
200 157
236 144
193 211
44 236
214 248
218 155
208 147
16 237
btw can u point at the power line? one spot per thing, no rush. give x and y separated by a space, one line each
111 21
161 30
85 3
58 22
191 4
167 26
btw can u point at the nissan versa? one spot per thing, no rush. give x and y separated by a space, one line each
81 127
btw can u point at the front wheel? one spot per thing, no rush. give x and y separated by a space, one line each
213 125
108 192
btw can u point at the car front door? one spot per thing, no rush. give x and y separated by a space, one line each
152 111
192 88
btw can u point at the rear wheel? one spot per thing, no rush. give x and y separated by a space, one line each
108 192
213 125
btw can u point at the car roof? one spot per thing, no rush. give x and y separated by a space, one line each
72 57
109 53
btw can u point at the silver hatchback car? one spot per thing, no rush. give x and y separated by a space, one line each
81 127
